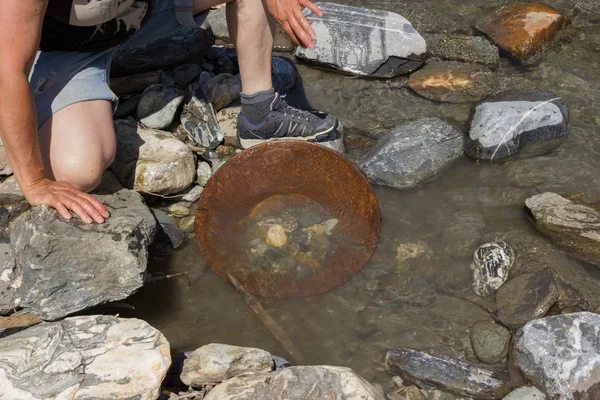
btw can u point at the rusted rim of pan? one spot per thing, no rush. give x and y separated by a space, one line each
284 168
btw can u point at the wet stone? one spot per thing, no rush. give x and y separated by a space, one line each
185 74
446 373
490 266
526 393
215 363
526 122
572 223
469 49
524 31
222 90
88 357
413 153
561 355
526 297
199 120
389 44
490 342
452 82
158 106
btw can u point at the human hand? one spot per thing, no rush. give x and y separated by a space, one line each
289 14
64 197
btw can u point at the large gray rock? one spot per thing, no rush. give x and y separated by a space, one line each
198 119
446 373
561 355
412 153
363 41
158 106
573 223
526 297
314 382
526 122
222 90
490 266
61 267
526 393
89 357
151 161
215 363
188 46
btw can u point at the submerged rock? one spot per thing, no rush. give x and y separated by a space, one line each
490 266
62 267
469 49
412 153
89 357
189 45
215 363
322 382
524 31
452 82
490 342
530 122
363 41
526 297
151 161
570 223
526 393
222 90
446 373
561 355
198 119
158 106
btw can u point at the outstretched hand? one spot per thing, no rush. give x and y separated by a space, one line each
289 14
64 197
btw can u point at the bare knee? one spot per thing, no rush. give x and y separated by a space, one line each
84 174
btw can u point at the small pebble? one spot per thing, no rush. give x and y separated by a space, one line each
329 225
204 173
186 224
193 194
179 210
276 236
398 381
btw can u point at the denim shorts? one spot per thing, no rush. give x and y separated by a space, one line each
61 78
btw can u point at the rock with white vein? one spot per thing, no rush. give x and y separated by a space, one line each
490 266
561 355
89 357
363 41
526 122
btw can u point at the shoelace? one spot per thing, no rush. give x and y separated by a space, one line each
287 109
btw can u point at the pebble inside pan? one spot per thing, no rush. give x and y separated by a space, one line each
288 219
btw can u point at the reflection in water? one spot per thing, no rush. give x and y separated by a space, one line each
424 301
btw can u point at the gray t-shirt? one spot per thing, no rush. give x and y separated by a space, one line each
89 25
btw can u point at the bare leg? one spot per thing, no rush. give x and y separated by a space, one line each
251 28
78 143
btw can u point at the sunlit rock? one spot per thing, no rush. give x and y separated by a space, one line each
452 82
490 266
158 106
89 357
198 118
526 122
222 90
526 393
524 31
363 41
561 355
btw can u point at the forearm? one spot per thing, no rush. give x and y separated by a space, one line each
18 128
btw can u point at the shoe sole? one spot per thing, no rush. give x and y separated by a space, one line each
247 143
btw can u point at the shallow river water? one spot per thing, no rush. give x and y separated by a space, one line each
416 291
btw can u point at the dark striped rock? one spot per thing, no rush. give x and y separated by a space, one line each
198 118
526 122
89 357
561 355
490 266
572 223
446 373
412 153
363 41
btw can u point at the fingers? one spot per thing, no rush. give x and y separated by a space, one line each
306 25
301 35
78 209
288 29
62 210
99 207
311 6
90 209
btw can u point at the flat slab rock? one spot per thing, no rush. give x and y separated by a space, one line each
90 357
152 161
314 382
561 355
523 31
456 47
446 373
572 223
526 122
412 153
215 363
60 267
363 41
452 82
